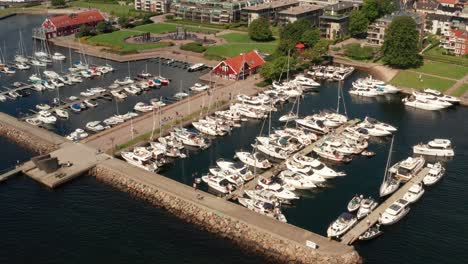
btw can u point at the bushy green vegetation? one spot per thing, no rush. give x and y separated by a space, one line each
411 80
116 41
259 30
355 51
243 38
193 46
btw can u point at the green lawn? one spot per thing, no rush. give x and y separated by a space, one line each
113 9
461 90
443 69
243 38
160 28
116 41
436 53
194 23
411 80
234 49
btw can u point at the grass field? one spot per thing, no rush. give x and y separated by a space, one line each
166 28
461 90
113 9
234 49
116 41
193 23
411 80
243 38
436 53
443 69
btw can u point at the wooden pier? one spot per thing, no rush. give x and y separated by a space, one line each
282 165
371 219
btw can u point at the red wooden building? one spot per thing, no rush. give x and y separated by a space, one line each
69 24
240 66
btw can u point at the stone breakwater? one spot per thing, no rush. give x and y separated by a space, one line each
275 249
26 139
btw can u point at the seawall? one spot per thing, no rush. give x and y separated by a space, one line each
278 242
28 136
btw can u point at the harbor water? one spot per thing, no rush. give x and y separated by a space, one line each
86 221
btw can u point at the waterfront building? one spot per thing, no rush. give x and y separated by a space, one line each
376 30
426 6
334 21
239 67
156 6
63 25
307 12
456 42
442 24
268 10
211 11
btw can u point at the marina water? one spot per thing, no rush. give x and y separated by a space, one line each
86 221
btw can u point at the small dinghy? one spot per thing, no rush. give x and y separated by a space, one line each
371 233
75 107
367 153
73 98
61 113
355 203
43 107
34 121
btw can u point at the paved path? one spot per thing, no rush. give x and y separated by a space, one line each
368 221
457 85
432 75
121 134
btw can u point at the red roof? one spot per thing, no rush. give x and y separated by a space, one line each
300 46
76 19
460 33
252 58
450 2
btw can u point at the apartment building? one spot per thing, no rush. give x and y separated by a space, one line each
335 19
156 6
311 13
456 42
376 30
268 10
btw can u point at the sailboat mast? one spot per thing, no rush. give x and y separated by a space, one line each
287 73
388 161
338 103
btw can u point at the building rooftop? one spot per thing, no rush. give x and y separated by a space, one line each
390 17
76 18
298 10
271 5
341 6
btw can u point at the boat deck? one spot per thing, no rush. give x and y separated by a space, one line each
368 221
275 169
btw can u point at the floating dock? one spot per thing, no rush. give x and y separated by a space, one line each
371 219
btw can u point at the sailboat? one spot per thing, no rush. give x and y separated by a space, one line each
291 115
180 95
389 183
20 56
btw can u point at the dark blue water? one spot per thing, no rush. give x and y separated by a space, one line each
86 222
22 107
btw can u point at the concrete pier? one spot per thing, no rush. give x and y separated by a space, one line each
368 221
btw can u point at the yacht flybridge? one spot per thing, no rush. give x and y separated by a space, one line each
436 147
408 168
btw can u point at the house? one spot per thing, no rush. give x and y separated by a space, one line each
211 11
268 10
443 24
376 30
239 67
155 6
456 42
426 6
333 23
450 3
307 12
69 24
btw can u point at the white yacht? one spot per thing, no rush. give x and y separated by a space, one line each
142 107
198 87
263 208
395 212
375 131
51 74
421 103
190 138
408 168
331 154
414 193
432 99
364 91
281 193
46 117
262 195
77 135
58 56
305 83
318 167
315 125
236 167
288 117
180 95
196 67
95 126
253 159
125 81
297 180
434 175
43 106
355 203
140 158
272 151
379 124
90 103
294 166
366 207
437 147
341 225
61 113
205 128
441 96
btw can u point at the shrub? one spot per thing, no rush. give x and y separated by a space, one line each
355 51
193 46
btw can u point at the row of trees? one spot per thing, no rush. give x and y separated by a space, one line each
359 20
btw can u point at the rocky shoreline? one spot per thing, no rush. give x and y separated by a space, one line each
274 248
26 140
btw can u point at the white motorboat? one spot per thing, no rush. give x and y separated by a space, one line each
180 95
57 83
340 226
375 131
125 81
61 113
297 180
35 78
132 90
198 87
58 56
367 205
142 107
355 203
2 98
76 79
380 125
190 138
21 58
77 135
263 208
218 183
46 117
157 103
364 91
268 184
141 158
112 121
395 212
208 129
22 66
296 166
437 147
38 63
51 74
90 103
236 167
33 121
248 112
408 168
414 193
288 117
371 233
196 67
329 153
435 173
119 94
305 83
233 178
272 151
441 96
39 87
13 94
86 94
262 195
95 126
420 103
43 107
432 99
253 159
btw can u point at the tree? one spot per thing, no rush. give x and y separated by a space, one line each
401 43
260 30
358 23
310 37
374 9
291 34
103 27
58 2
123 22
83 31
277 68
